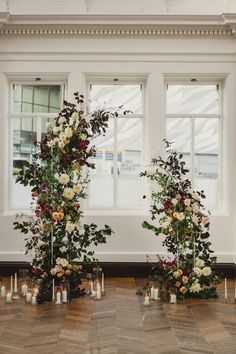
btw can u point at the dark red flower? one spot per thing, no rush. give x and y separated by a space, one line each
78 205
168 204
144 196
82 144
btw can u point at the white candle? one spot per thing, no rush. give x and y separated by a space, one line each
11 283
235 289
103 289
99 294
24 289
15 283
36 291
152 292
226 290
3 291
28 297
33 302
146 300
173 299
8 297
58 298
91 286
53 289
156 294
64 296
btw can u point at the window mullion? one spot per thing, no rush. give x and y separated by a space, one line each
193 151
115 162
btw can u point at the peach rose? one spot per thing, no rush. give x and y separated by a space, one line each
55 216
177 284
184 279
183 290
67 272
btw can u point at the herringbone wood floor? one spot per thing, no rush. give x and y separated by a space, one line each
119 324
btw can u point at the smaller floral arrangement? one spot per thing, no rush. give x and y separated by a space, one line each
64 269
176 278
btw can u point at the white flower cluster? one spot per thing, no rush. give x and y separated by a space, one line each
70 227
200 268
64 132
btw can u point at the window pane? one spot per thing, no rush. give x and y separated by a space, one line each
207 158
23 136
101 178
179 132
192 99
129 161
113 96
36 98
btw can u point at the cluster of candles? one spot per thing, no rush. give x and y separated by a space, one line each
12 294
154 295
97 290
59 294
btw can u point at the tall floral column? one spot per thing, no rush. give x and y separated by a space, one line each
58 238
178 214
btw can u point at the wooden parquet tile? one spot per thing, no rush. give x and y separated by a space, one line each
119 324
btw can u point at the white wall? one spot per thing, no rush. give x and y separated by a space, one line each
152 57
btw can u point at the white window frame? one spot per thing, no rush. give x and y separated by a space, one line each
221 208
122 80
46 79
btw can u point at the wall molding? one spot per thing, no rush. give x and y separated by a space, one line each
118 26
118 269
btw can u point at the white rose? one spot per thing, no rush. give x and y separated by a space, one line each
180 216
174 201
200 263
64 178
68 193
77 188
165 224
62 136
58 261
70 227
68 132
64 262
187 202
61 120
75 116
195 219
205 220
196 196
48 124
63 249
195 288
197 271
195 207
58 266
206 271
55 130
61 144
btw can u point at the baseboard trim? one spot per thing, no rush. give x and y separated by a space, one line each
117 269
